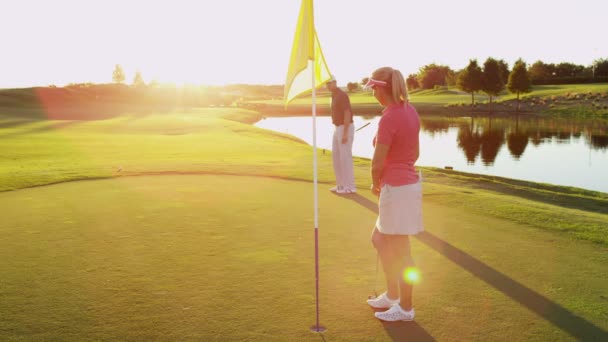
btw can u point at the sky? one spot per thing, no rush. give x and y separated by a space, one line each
246 41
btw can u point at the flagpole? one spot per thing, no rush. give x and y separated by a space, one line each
305 54
317 327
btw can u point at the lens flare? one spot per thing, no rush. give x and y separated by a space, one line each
411 275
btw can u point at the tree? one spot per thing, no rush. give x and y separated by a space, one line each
432 75
469 79
352 86
540 71
138 81
504 70
364 80
412 82
491 79
568 69
600 68
451 78
118 76
519 80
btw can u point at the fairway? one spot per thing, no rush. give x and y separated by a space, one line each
227 258
454 95
146 193
591 101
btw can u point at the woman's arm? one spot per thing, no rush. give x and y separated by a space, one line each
380 153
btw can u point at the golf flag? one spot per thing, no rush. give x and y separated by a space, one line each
307 70
306 48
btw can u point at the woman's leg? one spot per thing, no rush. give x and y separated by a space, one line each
387 258
401 253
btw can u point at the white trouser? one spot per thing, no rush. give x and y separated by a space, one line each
343 157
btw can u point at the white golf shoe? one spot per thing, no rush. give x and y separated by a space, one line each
395 314
382 302
343 191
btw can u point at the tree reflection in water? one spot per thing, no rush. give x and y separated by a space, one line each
485 136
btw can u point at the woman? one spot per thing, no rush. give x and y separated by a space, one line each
395 181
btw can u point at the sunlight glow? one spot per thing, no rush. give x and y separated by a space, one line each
243 41
411 275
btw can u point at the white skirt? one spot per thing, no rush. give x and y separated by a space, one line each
400 209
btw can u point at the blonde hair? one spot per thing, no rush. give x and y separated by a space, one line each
395 82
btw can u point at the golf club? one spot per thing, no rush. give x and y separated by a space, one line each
360 128
375 279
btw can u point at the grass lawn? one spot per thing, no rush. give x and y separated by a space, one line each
453 95
213 240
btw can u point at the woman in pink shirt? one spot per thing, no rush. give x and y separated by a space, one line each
398 185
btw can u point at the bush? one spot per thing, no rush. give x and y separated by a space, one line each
570 80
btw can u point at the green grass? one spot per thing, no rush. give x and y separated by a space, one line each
214 258
558 90
43 152
366 98
194 240
216 141
436 99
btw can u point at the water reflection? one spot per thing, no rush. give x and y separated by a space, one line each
483 137
571 152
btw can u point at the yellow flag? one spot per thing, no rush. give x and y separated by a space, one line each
305 51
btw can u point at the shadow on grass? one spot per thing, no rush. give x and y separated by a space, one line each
405 331
14 123
554 313
567 197
50 127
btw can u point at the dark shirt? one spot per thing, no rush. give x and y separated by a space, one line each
339 103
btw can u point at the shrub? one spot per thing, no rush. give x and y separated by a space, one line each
570 80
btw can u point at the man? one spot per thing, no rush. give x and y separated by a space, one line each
342 146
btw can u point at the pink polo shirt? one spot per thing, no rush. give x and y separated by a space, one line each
399 128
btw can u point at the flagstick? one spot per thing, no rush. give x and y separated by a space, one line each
316 328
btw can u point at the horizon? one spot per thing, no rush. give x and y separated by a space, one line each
170 42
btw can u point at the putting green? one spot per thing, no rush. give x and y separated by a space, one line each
220 258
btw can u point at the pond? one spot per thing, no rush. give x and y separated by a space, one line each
572 152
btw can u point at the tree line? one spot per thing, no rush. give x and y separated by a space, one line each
494 76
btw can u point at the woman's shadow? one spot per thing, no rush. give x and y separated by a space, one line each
406 331
557 315
398 331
